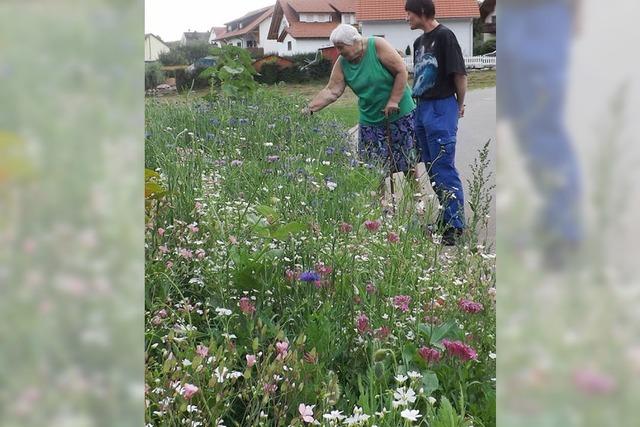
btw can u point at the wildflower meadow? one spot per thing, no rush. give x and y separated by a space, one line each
281 292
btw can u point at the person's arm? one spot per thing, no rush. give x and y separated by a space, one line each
393 62
331 92
460 81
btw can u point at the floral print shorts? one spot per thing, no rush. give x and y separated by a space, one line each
373 145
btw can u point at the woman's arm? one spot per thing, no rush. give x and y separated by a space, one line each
331 92
393 62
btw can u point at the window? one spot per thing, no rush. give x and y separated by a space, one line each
289 45
493 19
239 44
240 26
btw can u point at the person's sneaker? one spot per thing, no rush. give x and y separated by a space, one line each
451 236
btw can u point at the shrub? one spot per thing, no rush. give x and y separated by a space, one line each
186 82
485 47
153 75
174 57
185 55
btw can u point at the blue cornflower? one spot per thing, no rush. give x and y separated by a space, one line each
244 121
214 122
330 151
309 276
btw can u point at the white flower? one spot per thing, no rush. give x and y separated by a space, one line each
221 374
229 336
334 416
403 397
401 378
432 400
414 375
331 185
410 414
223 311
357 418
492 355
235 374
186 362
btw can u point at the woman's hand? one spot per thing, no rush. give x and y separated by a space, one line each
391 108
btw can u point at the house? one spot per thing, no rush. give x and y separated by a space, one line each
250 31
216 33
387 18
192 37
153 47
304 26
488 19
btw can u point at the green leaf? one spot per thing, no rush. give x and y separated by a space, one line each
283 232
430 382
233 70
409 353
268 212
435 334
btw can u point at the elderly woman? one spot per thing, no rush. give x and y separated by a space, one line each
376 73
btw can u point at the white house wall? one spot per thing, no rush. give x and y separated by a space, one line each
400 35
301 45
153 48
269 46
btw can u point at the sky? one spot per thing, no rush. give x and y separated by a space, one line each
170 18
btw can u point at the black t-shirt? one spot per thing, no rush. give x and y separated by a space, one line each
436 57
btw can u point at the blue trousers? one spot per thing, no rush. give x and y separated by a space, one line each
533 66
436 126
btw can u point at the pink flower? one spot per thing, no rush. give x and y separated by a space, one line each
306 413
251 360
470 306
362 323
270 388
432 320
233 240
323 269
371 289
193 227
346 228
200 253
246 306
185 253
189 390
291 275
402 302
372 225
162 313
430 355
169 264
460 350
282 348
202 351
382 332
198 206
163 249
393 237
161 231
593 382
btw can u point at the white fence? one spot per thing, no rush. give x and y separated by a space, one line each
469 62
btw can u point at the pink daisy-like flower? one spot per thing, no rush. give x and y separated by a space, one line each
189 390
246 306
430 355
401 302
251 360
161 231
306 413
470 306
362 323
346 227
372 225
393 237
382 332
460 350
202 351
282 347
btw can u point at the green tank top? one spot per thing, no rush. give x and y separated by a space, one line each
372 84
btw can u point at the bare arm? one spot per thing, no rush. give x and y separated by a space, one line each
460 81
393 62
331 92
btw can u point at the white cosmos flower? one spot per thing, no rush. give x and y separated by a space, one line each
410 414
403 397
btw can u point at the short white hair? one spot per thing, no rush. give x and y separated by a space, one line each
345 33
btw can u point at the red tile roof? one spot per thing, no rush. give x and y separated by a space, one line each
311 6
393 10
344 6
291 9
250 14
247 28
219 31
